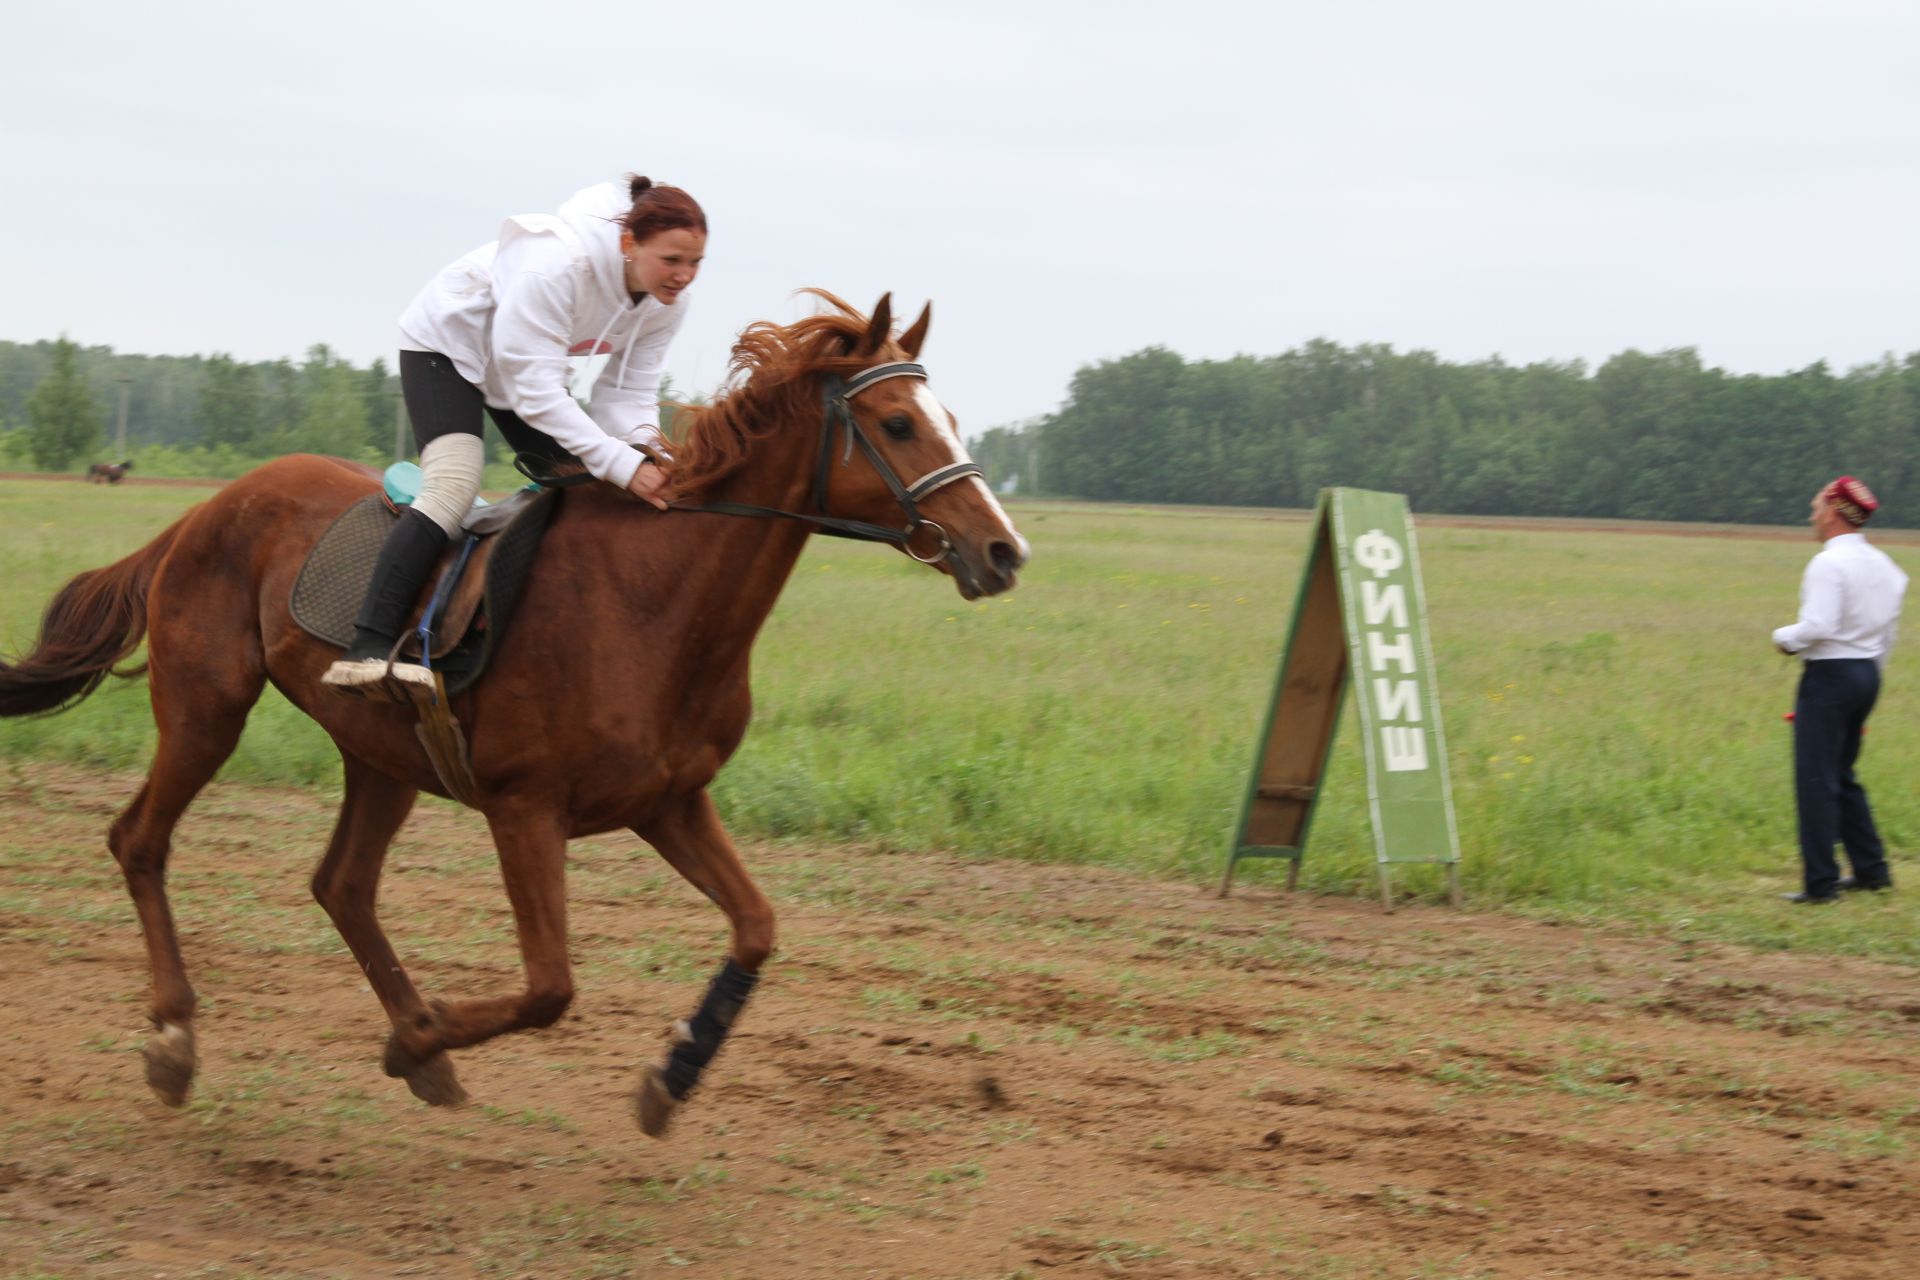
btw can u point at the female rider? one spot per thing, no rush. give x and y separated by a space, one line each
496 327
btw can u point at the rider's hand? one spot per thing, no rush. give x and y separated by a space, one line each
648 483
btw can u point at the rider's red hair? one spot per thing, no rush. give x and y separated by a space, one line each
657 209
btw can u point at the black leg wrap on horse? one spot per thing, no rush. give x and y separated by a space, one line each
725 998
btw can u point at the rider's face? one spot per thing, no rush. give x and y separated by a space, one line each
664 264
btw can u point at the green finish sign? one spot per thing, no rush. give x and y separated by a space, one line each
1360 619
1392 660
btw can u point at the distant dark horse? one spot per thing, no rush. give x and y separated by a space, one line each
109 472
616 695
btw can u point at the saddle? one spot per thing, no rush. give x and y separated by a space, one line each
472 594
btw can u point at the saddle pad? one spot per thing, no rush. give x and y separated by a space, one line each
333 581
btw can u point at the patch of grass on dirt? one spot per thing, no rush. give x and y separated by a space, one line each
531 1241
1887 1137
1189 1048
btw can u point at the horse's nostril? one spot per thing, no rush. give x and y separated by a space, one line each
1006 557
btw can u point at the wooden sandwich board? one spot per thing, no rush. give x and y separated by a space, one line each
1361 608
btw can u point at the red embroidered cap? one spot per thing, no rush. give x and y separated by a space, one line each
1852 499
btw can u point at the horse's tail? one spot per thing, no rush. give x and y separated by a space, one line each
96 620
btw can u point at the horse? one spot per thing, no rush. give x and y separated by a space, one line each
108 472
617 693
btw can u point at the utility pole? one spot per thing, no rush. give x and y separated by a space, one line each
120 438
399 428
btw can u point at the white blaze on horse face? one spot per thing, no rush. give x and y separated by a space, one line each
942 421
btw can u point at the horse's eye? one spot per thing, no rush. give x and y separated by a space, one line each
899 426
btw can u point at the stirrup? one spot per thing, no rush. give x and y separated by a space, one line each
375 677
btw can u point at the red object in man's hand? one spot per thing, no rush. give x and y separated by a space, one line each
1863 728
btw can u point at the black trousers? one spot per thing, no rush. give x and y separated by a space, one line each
440 402
1836 696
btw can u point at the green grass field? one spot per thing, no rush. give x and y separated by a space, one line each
1612 704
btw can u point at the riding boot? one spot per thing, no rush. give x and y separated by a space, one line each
406 558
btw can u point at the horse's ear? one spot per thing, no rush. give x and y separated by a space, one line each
916 333
879 327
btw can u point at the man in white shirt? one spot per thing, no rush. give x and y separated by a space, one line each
1849 612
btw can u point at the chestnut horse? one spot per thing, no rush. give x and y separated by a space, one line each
616 695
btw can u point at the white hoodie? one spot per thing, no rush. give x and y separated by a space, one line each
510 313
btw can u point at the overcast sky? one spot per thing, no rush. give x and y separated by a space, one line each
1066 182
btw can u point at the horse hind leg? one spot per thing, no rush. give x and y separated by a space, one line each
194 741
347 884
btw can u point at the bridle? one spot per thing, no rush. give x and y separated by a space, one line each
837 398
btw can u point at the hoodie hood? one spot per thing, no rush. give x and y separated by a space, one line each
594 216
588 223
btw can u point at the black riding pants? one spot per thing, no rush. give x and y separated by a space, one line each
440 402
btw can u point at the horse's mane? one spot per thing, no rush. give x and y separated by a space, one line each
769 375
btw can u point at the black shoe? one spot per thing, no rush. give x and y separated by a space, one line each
1850 885
1809 900
406 560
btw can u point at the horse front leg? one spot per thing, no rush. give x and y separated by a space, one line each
532 845
694 843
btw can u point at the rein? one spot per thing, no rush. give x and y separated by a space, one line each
837 399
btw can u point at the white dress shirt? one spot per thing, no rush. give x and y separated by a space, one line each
1849 603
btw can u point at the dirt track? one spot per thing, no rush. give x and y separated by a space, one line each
953 1069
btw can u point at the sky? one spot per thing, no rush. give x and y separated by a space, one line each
1065 182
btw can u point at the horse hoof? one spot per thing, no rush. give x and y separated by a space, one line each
653 1106
435 1083
170 1063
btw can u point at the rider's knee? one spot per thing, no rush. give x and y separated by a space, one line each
450 468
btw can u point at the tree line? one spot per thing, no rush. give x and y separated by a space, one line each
1645 436
60 407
